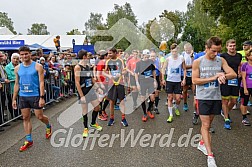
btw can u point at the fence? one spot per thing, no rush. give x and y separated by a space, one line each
58 85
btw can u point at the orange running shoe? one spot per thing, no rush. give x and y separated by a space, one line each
26 145
48 132
144 118
150 115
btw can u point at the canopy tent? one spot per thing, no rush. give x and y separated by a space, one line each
37 46
5 31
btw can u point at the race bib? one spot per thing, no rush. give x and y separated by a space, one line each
233 82
147 74
26 88
115 72
250 76
88 82
211 85
175 70
189 73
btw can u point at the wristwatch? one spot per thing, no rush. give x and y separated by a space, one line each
42 97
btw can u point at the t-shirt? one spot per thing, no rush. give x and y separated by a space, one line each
100 67
199 55
145 70
242 52
115 67
233 61
132 64
248 69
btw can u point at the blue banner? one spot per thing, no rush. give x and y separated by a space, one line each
12 43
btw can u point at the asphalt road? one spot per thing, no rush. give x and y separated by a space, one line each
151 143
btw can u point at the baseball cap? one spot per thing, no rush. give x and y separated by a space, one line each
247 43
146 52
42 58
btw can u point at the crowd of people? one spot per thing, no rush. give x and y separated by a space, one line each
218 82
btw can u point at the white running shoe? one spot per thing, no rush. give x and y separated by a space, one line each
235 107
202 148
211 161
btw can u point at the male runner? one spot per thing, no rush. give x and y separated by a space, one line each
230 90
116 69
207 75
145 80
29 84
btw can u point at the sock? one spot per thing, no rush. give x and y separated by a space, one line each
244 116
111 116
94 116
48 125
210 155
201 142
100 112
105 104
134 97
150 105
170 111
85 121
144 107
123 116
156 101
28 137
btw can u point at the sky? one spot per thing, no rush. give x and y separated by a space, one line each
61 16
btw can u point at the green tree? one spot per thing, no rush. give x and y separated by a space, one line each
74 32
199 25
94 22
5 21
234 14
38 29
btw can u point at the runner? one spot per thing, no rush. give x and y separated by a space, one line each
173 66
104 85
115 67
246 87
230 90
29 84
157 64
207 75
144 75
189 57
86 91
131 67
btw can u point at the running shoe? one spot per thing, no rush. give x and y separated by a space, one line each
248 112
124 122
249 103
235 107
85 133
102 118
48 132
156 110
202 148
185 108
211 161
177 112
170 119
227 124
104 114
111 122
26 145
246 122
195 119
144 118
116 107
150 115
96 127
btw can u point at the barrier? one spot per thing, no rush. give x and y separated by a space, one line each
59 85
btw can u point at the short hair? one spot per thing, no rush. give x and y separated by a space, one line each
230 41
119 50
188 45
14 55
173 46
82 53
213 41
112 50
24 49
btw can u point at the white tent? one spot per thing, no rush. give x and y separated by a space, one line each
47 40
5 31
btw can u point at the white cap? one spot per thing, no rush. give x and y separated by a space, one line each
42 58
146 52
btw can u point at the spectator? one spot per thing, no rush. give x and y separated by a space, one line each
11 76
